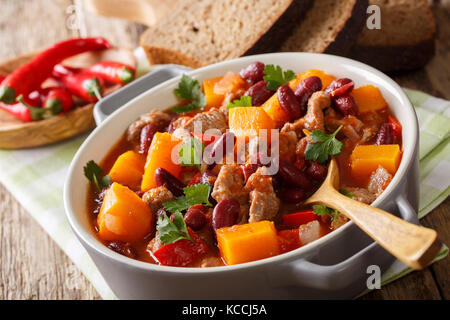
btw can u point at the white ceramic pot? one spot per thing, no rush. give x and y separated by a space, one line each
334 266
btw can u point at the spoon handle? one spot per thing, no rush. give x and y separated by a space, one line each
416 246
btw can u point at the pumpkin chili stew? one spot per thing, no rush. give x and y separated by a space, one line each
220 179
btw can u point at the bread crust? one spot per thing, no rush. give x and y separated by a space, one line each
349 32
269 40
395 58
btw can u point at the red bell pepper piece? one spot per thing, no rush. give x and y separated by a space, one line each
84 85
396 128
181 253
288 240
299 218
57 100
30 76
197 179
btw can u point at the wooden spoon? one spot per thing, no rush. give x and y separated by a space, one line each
414 245
15 134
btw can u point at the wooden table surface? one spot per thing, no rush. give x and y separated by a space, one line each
33 267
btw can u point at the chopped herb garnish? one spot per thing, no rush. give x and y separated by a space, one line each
191 153
172 231
276 77
346 193
196 194
323 145
95 174
189 89
321 210
243 101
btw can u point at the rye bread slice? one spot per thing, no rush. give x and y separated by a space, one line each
208 31
330 26
405 40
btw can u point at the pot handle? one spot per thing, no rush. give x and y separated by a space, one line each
334 277
114 101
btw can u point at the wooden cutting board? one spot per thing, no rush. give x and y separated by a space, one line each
15 134
148 12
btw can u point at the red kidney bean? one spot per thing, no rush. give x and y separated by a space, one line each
195 218
122 248
346 104
225 213
166 179
147 134
289 103
140 193
339 87
221 144
316 171
254 72
170 128
293 176
385 135
161 212
259 93
293 195
305 89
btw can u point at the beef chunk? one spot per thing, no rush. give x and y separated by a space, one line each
155 198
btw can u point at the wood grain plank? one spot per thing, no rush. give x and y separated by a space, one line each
31 264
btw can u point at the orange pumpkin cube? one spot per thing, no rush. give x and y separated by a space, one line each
163 146
212 99
248 242
247 121
365 159
230 82
275 112
369 98
123 215
128 169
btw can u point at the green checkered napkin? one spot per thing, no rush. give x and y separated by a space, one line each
36 177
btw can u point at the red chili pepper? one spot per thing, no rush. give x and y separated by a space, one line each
84 85
114 72
35 98
23 111
30 76
396 128
288 240
181 253
2 78
299 218
57 100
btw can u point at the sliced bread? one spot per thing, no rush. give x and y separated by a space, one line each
330 26
405 40
202 32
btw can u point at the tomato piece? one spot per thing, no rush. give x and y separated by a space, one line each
396 128
299 218
197 179
181 253
288 240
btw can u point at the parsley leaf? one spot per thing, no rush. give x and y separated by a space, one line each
275 77
95 174
323 210
189 89
244 101
196 194
323 145
346 193
172 231
191 153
